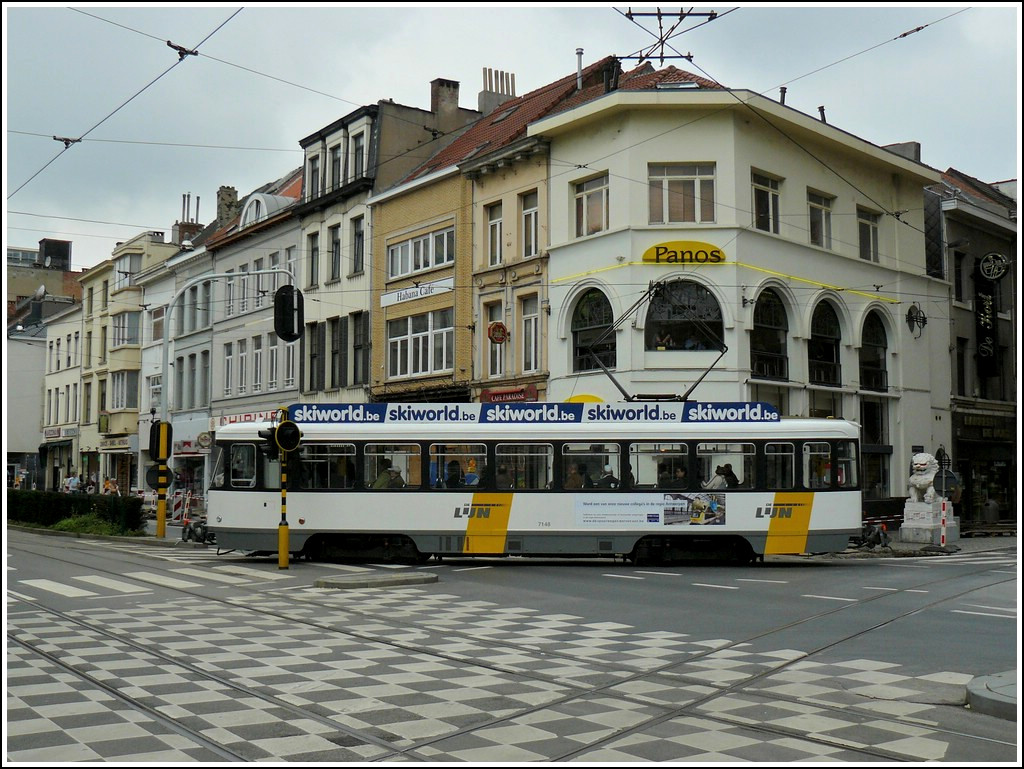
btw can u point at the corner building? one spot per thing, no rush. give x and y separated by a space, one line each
785 252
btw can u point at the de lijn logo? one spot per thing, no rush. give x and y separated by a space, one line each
684 252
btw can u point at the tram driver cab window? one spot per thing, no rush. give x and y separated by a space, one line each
243 465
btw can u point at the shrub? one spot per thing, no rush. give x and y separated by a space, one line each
47 508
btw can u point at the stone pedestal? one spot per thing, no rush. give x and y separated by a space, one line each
922 522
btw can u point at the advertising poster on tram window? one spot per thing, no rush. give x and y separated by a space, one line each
668 509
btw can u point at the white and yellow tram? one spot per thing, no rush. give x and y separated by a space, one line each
636 480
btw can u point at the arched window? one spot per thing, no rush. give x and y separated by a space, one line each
823 349
873 374
591 319
253 213
768 355
684 316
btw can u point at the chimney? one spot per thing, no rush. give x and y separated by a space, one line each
579 69
499 87
782 94
182 231
444 96
821 112
227 203
909 150
611 76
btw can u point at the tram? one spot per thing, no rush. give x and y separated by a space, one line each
648 482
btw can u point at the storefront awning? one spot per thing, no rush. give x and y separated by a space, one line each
44 447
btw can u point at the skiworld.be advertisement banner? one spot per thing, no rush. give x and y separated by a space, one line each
536 413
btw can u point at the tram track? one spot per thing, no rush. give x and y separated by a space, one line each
575 689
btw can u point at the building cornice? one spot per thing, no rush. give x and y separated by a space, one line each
796 123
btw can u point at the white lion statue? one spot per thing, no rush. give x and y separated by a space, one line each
921 486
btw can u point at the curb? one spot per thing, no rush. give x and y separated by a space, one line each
991 696
374 580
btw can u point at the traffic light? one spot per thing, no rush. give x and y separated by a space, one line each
270 436
288 313
159 441
288 436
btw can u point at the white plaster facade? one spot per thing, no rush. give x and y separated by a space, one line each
62 398
623 134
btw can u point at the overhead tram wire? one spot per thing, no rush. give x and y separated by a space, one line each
250 70
895 214
69 143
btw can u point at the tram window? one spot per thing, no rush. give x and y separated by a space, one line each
726 465
817 465
846 459
271 472
780 465
528 465
243 465
583 465
325 466
661 465
392 465
454 465
217 463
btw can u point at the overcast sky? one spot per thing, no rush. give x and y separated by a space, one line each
267 75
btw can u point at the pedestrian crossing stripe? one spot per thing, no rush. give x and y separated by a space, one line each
161 579
211 574
253 573
112 584
68 591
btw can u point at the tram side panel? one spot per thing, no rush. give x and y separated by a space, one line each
509 523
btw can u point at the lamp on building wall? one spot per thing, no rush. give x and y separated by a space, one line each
916 319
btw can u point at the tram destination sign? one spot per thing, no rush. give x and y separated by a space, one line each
536 413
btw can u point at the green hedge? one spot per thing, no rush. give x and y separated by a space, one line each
47 508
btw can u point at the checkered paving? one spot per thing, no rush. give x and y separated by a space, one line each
414 674
560 647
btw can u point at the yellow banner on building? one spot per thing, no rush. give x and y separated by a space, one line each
678 252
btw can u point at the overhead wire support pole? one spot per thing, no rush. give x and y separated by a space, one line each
165 390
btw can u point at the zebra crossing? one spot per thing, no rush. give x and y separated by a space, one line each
205 569
198 569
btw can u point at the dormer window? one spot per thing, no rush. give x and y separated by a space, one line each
253 213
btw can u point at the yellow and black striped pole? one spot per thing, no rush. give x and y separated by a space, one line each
163 452
282 529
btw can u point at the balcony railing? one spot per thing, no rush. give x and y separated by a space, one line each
332 186
874 379
824 373
766 365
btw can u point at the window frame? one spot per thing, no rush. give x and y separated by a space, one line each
585 194
697 176
765 195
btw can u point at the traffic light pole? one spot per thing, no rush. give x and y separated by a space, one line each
162 479
282 529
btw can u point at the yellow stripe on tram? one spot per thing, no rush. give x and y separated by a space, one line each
487 524
790 522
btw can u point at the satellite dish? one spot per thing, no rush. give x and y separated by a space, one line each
40 292
48 260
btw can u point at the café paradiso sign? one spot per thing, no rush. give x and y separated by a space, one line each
684 253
